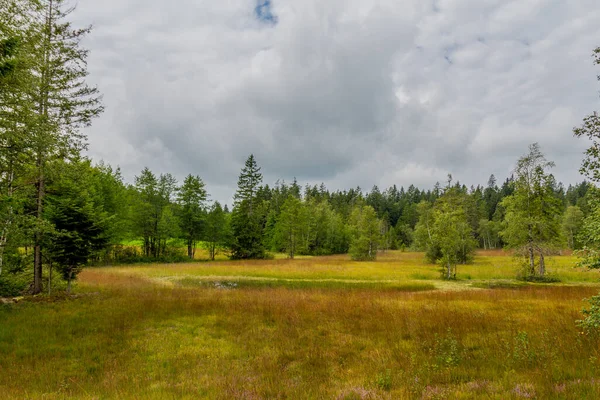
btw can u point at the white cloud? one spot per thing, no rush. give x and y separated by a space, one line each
349 92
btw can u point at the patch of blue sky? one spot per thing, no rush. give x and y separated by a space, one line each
264 12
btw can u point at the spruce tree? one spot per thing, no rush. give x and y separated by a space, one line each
146 212
191 198
62 100
248 217
16 110
79 222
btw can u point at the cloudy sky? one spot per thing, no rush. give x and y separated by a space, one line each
346 92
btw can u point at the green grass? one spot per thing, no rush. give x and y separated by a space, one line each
392 267
323 327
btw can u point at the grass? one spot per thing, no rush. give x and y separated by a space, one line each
390 267
323 327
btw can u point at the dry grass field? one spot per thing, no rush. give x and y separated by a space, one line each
313 328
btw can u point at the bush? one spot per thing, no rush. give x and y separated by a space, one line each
591 323
133 255
528 277
384 380
525 274
13 285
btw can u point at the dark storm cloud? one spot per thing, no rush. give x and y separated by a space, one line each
343 91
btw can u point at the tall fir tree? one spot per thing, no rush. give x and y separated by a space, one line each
248 217
62 100
191 198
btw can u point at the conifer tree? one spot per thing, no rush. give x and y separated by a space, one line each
248 215
191 198
62 101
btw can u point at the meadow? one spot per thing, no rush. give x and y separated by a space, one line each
310 328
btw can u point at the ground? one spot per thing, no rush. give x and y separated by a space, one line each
322 327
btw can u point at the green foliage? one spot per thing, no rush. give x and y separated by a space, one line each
217 232
14 284
591 323
444 232
365 231
489 233
446 350
8 61
591 129
572 223
45 104
249 214
191 198
290 228
402 236
79 225
589 236
384 380
154 219
533 213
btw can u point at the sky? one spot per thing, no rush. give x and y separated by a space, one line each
345 92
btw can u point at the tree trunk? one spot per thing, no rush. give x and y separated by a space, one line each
40 162
7 224
50 280
69 281
531 260
190 250
542 264
571 240
37 248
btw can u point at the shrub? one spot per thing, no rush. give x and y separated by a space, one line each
591 323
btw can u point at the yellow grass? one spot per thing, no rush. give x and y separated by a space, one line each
150 332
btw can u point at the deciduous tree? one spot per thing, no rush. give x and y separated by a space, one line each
532 220
291 225
365 233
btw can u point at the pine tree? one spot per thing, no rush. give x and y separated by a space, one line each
146 211
16 110
191 198
248 217
62 100
79 221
